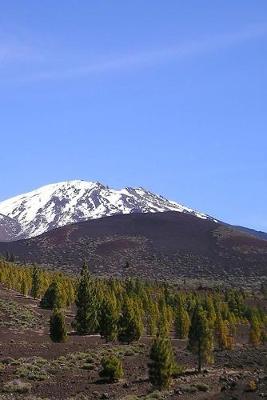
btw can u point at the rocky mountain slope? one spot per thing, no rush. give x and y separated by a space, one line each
9 228
154 245
60 204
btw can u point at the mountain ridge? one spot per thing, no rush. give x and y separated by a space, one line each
60 204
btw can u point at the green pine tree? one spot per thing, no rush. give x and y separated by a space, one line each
36 282
201 337
53 297
130 325
210 310
58 331
108 317
162 363
86 320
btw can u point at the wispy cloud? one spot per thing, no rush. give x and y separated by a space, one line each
147 58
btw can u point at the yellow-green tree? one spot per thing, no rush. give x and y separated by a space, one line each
181 322
223 334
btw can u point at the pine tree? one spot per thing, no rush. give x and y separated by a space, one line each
58 331
152 317
165 319
111 368
53 296
255 332
108 317
210 310
224 337
162 362
69 292
24 288
201 337
86 320
130 325
36 282
182 322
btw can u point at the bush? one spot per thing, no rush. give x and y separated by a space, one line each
32 372
251 386
88 366
185 388
111 368
17 386
202 387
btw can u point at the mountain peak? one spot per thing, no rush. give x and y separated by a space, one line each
63 203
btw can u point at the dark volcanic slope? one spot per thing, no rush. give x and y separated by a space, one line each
259 234
161 245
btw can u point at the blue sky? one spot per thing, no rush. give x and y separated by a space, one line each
171 96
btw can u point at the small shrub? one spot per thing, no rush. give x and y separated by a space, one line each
251 386
8 361
34 369
129 353
202 387
88 366
32 372
155 396
17 386
188 388
111 368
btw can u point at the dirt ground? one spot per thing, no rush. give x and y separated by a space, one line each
32 364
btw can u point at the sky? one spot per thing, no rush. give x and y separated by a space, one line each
170 96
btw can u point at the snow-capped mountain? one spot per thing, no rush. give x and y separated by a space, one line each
60 204
9 228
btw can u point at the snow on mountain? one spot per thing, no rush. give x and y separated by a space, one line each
60 204
9 228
